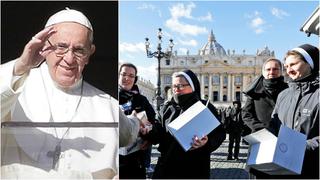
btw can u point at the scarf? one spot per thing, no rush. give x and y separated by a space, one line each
274 86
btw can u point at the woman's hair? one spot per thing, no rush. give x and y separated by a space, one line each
129 65
295 54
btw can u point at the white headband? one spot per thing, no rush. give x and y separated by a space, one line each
188 79
69 15
306 56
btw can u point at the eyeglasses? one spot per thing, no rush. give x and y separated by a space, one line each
128 75
179 86
60 49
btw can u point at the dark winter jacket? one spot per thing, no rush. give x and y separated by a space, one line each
133 100
298 108
259 105
234 121
174 162
132 165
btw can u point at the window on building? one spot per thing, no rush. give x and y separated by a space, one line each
205 62
215 96
225 98
238 96
167 62
237 79
206 80
215 79
167 79
225 80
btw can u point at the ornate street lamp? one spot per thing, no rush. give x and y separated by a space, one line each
159 55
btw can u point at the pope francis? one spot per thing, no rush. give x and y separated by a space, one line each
44 87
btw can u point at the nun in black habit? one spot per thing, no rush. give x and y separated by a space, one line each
174 162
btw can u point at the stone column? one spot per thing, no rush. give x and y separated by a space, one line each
202 86
233 87
229 98
210 87
221 88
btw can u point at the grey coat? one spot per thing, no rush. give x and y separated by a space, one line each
298 108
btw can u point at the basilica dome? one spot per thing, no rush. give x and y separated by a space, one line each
212 47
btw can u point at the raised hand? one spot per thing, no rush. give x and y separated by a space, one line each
34 52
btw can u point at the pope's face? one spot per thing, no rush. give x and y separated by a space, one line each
66 68
296 68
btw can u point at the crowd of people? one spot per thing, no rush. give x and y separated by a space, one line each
45 85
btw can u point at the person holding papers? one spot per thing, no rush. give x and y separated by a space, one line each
298 106
131 161
174 161
261 99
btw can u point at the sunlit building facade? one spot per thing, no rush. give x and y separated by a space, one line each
223 74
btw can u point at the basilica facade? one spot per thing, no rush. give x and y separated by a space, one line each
223 75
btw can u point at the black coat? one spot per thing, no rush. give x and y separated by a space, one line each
138 103
174 162
258 108
132 165
234 122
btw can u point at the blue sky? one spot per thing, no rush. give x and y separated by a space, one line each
237 25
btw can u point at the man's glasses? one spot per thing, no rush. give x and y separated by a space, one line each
128 75
60 49
179 86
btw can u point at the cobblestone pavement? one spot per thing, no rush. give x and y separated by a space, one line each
221 168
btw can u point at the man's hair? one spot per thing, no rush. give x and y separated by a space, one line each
272 59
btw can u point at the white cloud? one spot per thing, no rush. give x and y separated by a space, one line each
257 23
147 6
132 48
191 42
279 13
148 73
208 17
257 13
185 29
180 10
175 23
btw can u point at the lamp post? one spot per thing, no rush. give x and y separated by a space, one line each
159 55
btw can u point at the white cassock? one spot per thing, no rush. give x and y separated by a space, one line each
34 97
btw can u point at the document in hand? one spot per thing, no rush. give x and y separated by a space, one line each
196 120
277 156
